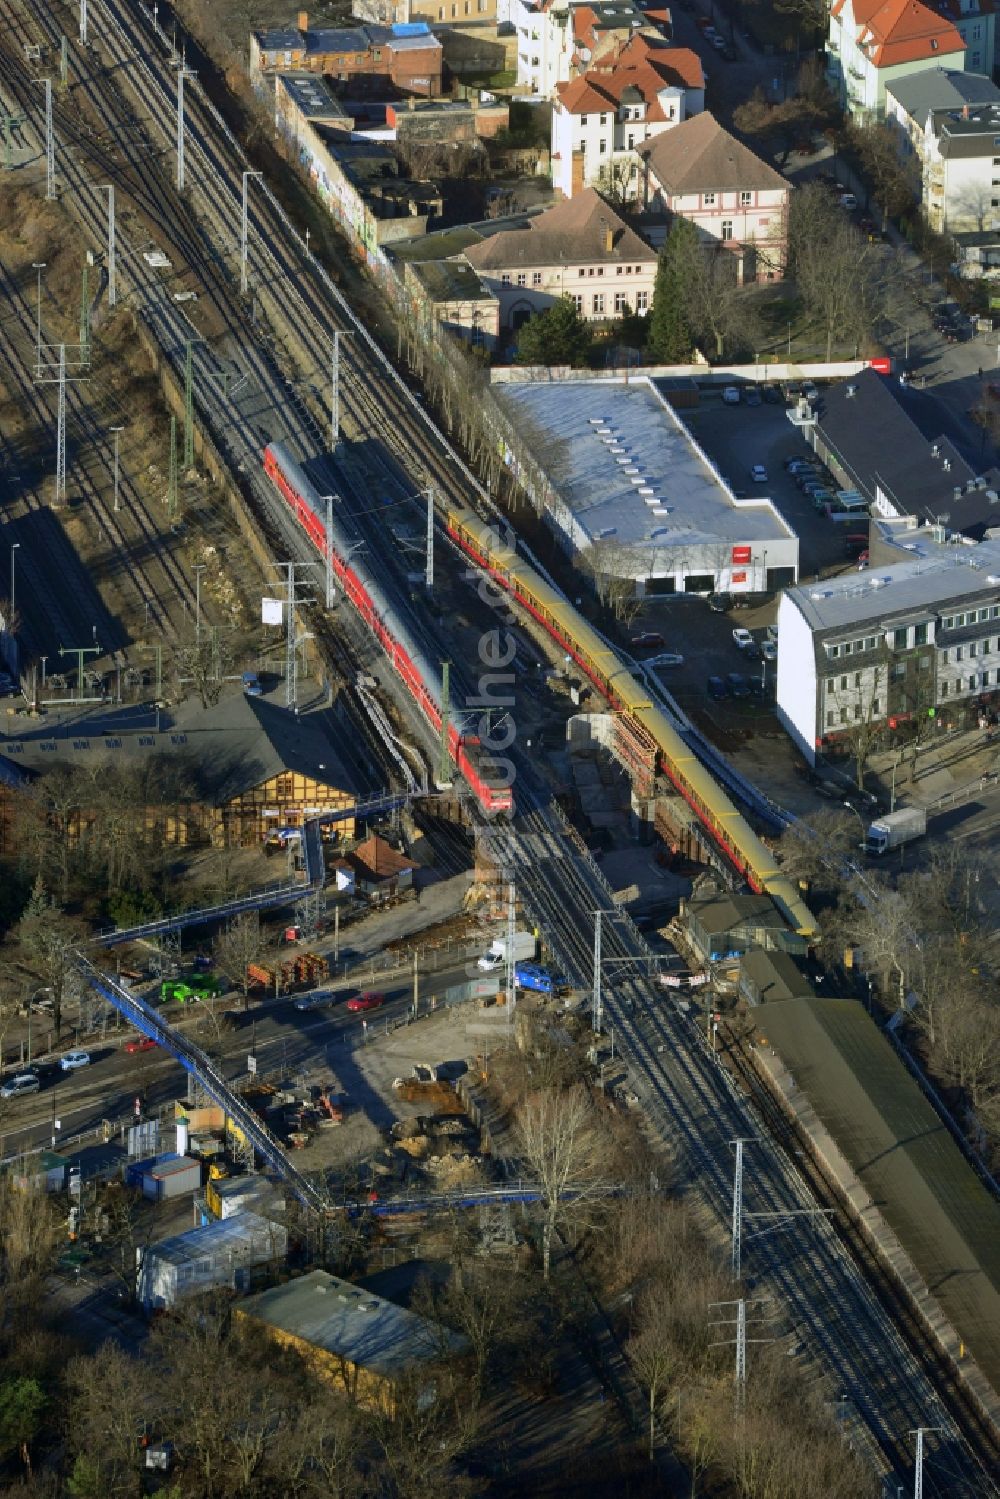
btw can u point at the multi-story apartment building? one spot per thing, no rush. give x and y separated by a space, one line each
912 639
600 117
737 202
871 43
948 125
433 12
556 38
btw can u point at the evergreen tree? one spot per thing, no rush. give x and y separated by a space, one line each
559 335
669 339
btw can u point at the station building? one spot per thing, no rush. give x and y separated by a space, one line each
632 495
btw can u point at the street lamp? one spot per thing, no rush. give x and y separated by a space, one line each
14 547
851 808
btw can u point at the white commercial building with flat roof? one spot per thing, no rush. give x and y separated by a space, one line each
917 638
632 494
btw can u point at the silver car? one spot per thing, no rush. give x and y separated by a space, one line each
23 1082
74 1060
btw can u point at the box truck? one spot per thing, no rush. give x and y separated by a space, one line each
525 948
895 829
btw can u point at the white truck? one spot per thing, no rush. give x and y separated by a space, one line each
895 829
495 956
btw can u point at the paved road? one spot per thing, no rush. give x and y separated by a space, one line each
281 1036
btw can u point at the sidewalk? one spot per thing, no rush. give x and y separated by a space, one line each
945 766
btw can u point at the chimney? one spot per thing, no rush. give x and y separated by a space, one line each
965 111
303 20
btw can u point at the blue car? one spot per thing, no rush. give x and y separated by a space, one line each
533 976
251 684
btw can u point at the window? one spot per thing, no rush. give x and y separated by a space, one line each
536 278
972 682
843 684
973 650
578 304
583 121
727 228
943 689
857 711
976 33
746 199
631 139
920 635
597 302
875 707
505 278
642 301
857 679
843 715
959 653
618 270
377 51
898 670
834 651
985 678
871 641
899 640
621 302
602 147
708 200
522 279
604 119
482 5
831 720
924 664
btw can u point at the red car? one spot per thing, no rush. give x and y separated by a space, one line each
141 1043
366 1001
648 638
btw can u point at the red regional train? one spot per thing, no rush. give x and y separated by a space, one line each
420 677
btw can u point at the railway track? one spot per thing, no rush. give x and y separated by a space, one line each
692 1100
888 1367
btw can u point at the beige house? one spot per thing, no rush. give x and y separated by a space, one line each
698 171
450 294
580 249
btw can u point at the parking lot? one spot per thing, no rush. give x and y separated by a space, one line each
737 437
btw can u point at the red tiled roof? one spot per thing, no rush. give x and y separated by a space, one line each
648 71
901 31
376 859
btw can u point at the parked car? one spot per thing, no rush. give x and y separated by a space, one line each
752 651
20 1084
366 1001
251 684
769 651
753 395
140 1043
848 201
731 395
319 999
737 684
717 688
742 637
666 658
719 602
797 465
72 1061
648 638
758 473
772 395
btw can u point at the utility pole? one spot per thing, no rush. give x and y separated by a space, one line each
199 569
85 312
39 266
445 765
741 1340
918 1472
64 61
61 429
737 1240
329 498
50 142
83 23
597 1006
429 578
189 344
291 640
183 72
112 287
335 394
244 225
172 470
117 431
79 651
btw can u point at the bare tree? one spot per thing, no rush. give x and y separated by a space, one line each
242 943
29 1230
558 1140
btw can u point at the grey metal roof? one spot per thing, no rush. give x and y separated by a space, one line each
231 747
226 1236
880 446
599 430
955 575
312 96
353 1323
941 88
942 1214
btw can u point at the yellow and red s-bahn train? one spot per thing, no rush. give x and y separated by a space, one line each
604 668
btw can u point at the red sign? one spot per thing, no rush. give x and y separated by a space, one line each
739 577
742 554
881 366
